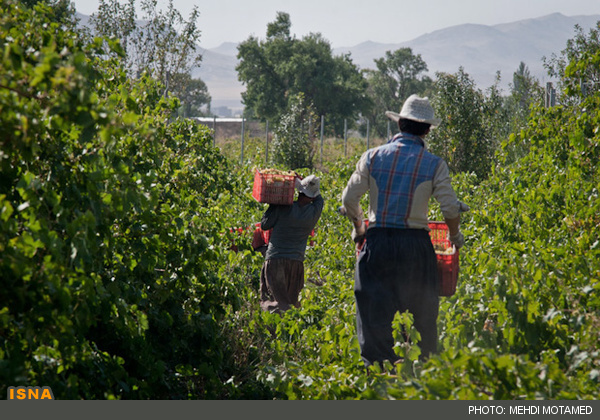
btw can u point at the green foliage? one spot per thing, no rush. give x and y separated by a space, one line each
193 94
406 339
473 123
64 10
163 45
531 263
109 277
577 75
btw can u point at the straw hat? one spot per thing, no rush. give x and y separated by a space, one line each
310 186
416 109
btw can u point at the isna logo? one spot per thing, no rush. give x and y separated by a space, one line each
30 393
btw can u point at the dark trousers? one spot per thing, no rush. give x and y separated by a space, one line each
396 271
281 280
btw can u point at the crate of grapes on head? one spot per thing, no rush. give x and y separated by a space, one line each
447 258
274 186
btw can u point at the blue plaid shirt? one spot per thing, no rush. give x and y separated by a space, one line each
400 176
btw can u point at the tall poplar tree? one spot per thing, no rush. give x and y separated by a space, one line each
280 67
398 75
162 44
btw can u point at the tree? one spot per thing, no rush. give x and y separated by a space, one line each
525 93
192 93
280 67
259 69
64 11
575 79
398 75
471 123
116 20
163 43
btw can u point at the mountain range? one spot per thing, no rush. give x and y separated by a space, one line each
481 50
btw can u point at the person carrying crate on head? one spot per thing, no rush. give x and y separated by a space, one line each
396 269
282 273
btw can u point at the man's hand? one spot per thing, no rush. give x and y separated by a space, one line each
359 233
458 239
359 229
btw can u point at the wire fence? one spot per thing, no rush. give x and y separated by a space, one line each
233 135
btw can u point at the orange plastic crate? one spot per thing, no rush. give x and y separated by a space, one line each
273 188
448 264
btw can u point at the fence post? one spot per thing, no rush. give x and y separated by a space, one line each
267 145
368 135
550 99
322 129
242 153
214 131
345 138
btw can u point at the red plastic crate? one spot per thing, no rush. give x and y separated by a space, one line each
273 188
448 264
266 234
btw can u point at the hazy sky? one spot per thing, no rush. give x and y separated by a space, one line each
350 22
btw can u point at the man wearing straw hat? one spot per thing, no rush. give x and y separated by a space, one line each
396 269
282 273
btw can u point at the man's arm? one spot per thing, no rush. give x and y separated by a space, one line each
357 186
449 204
269 217
453 225
318 204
